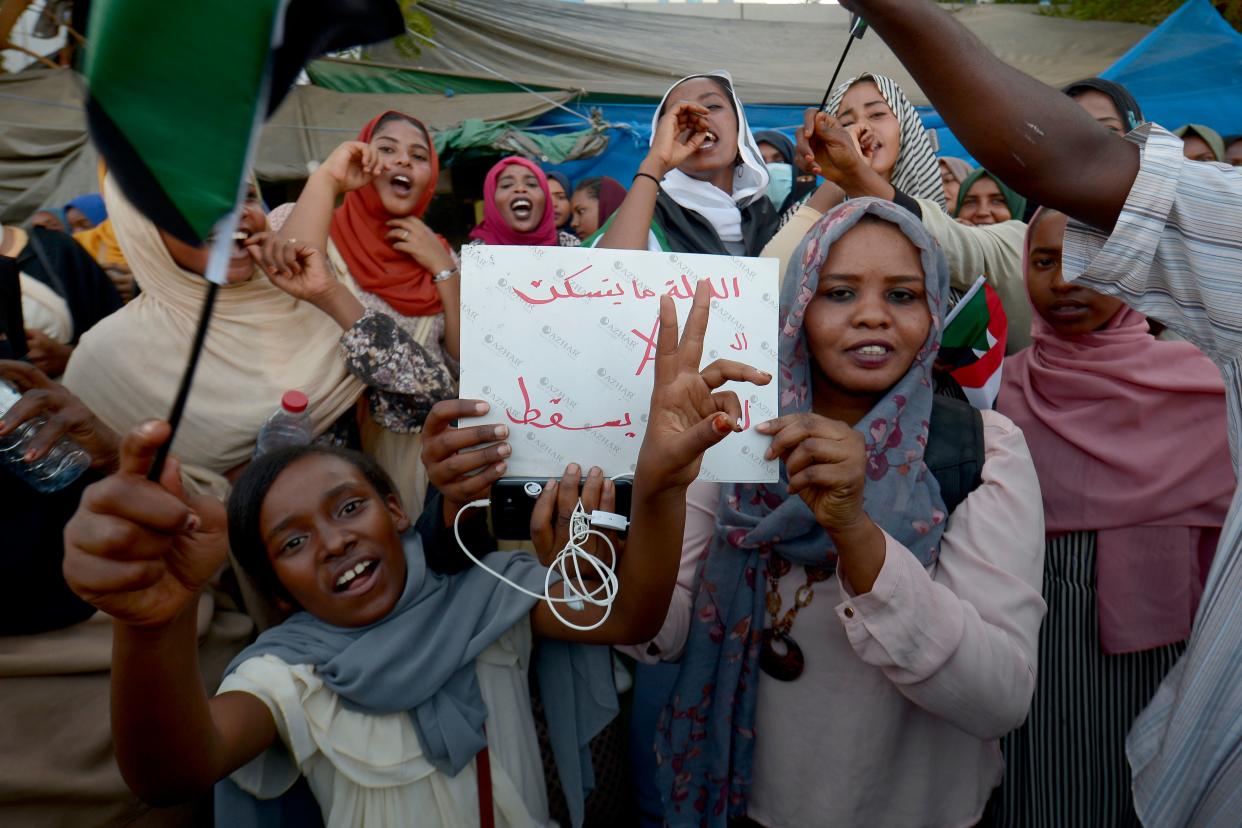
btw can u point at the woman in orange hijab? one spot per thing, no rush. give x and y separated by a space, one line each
376 239
394 263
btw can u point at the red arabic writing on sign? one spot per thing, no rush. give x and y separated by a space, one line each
532 415
650 351
728 288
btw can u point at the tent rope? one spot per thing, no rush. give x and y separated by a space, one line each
503 77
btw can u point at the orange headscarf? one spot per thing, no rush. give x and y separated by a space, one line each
359 227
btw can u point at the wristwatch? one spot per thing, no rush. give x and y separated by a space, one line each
445 275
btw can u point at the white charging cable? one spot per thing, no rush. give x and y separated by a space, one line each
569 561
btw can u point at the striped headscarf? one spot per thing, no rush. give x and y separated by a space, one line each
917 173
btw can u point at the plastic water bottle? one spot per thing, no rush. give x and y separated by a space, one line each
289 426
62 465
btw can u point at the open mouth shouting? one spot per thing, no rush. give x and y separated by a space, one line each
709 142
522 209
355 577
401 185
241 266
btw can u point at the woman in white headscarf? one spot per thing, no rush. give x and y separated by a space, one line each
702 186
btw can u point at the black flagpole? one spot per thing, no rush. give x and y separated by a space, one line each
858 27
187 379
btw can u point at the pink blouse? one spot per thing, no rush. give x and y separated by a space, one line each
907 688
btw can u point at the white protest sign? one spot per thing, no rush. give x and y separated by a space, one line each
560 342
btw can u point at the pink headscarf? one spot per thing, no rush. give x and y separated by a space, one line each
494 230
1129 438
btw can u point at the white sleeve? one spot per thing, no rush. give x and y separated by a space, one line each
1174 252
276 769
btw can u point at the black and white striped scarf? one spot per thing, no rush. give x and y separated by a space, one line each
916 173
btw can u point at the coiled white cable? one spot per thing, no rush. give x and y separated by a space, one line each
569 558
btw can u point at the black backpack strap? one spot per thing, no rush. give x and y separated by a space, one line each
955 451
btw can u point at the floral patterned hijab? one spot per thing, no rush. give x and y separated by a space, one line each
706 734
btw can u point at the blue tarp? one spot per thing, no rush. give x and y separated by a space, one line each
628 141
1188 70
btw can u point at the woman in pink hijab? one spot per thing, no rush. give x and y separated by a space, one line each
517 208
1133 510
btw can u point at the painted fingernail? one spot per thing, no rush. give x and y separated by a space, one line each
503 450
502 432
738 424
721 423
480 408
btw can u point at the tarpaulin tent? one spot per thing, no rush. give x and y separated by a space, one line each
1189 69
47 158
610 51
621 59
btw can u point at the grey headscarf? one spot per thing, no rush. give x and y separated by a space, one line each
420 659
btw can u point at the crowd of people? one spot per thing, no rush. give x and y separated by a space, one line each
939 615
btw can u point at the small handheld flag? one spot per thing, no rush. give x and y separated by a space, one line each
177 94
972 347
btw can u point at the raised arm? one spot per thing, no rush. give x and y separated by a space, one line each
679 133
141 552
351 165
1037 140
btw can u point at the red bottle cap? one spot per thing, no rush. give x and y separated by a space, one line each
294 402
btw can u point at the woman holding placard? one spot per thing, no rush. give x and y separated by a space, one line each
883 597
701 187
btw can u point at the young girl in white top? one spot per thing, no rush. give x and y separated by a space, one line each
389 679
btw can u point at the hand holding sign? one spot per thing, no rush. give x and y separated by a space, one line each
688 415
562 343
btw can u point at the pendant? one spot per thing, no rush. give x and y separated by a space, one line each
780 656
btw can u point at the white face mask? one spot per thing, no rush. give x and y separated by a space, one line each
780 183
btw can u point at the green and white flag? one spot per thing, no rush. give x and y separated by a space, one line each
178 91
973 344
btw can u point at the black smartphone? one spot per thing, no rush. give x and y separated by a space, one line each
513 499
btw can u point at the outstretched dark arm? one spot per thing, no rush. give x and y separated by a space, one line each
1036 139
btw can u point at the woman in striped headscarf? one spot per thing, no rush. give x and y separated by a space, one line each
870 141
898 148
